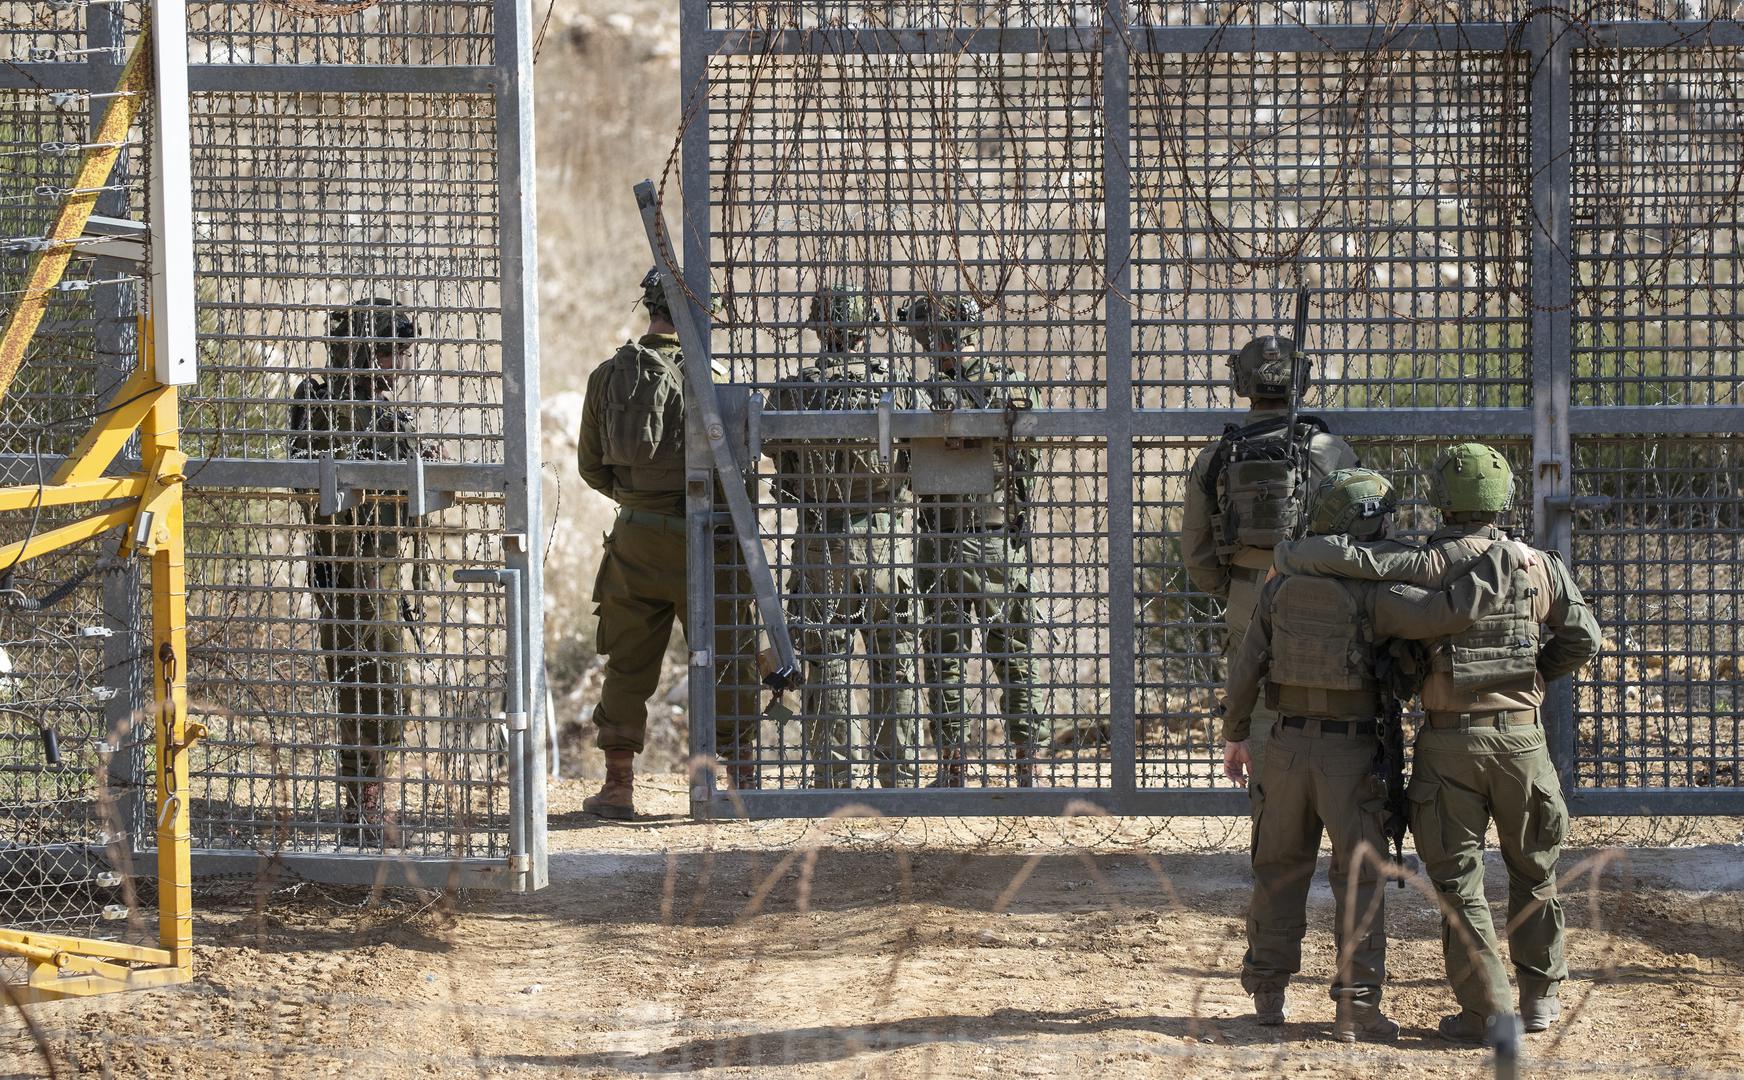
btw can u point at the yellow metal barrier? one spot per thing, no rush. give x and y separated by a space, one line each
63 966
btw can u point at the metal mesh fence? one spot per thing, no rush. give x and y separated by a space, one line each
1512 223
358 698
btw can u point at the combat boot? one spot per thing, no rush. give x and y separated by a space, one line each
1539 1008
1270 1007
371 823
743 777
1464 1026
1023 769
1359 1021
950 769
616 799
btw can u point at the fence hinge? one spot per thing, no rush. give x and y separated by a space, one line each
520 864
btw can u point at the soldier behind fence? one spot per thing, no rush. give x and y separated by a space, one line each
1314 649
356 553
631 449
973 554
851 568
1480 754
1245 494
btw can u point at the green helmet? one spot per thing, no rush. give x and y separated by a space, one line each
839 315
946 322
654 294
1471 478
1262 368
353 332
1347 497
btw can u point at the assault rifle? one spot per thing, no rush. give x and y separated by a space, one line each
1298 451
1399 668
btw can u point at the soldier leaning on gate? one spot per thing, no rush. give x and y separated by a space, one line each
850 567
1243 494
631 449
1314 649
355 555
974 552
1481 754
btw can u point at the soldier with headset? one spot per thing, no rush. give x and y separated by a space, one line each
1245 494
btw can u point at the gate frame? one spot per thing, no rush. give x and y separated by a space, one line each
1547 38
508 81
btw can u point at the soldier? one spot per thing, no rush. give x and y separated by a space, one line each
1244 494
850 568
1481 755
1315 644
631 449
974 552
355 553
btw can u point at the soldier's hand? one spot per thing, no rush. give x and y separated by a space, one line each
1236 762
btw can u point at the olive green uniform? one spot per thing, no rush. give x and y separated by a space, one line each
1481 756
642 586
974 565
355 558
1323 635
850 571
1234 576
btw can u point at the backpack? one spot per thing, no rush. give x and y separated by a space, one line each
1259 480
643 419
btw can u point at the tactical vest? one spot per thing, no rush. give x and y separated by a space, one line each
1259 479
1321 636
833 475
643 420
1501 648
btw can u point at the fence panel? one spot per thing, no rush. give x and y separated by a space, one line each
1516 227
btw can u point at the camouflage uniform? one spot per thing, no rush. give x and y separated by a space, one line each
1481 755
1312 648
850 571
975 567
356 555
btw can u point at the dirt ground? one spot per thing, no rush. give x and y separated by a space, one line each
909 949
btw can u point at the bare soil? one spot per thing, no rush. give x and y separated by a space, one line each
915 948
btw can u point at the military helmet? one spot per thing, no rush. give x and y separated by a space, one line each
1347 497
355 330
1471 478
373 319
944 322
654 294
839 314
1262 368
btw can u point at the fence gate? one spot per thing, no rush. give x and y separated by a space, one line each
1519 227
361 582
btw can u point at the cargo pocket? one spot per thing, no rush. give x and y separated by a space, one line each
1549 814
1425 814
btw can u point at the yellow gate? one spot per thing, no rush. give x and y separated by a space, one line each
147 504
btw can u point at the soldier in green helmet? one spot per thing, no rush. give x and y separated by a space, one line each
631 449
1245 493
851 556
357 552
1313 650
974 549
1480 755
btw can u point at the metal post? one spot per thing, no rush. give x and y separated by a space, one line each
1552 318
1117 315
515 711
699 468
172 197
521 423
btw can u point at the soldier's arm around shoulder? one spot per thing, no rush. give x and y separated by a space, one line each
590 440
1247 671
1205 569
1575 634
1401 610
1363 560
